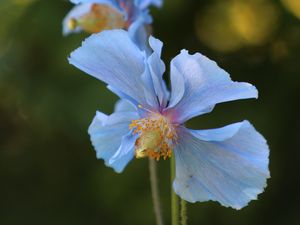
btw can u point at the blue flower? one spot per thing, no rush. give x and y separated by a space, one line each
228 164
93 16
142 4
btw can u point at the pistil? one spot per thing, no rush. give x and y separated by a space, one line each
157 136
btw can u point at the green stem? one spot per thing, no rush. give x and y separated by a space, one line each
174 197
155 191
183 212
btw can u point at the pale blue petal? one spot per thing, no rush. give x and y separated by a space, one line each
156 45
228 165
178 86
106 133
142 4
124 154
122 95
75 13
147 80
157 69
205 84
112 57
139 34
124 105
220 134
141 111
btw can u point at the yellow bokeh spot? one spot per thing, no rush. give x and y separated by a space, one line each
254 20
227 26
214 28
292 6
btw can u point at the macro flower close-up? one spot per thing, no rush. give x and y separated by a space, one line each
228 164
149 112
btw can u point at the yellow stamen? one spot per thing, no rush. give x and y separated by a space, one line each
101 17
157 136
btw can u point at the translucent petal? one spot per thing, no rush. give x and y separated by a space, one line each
198 84
124 154
156 45
142 4
139 35
124 106
122 95
106 133
228 165
112 57
157 69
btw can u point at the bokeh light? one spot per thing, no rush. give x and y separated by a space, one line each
214 28
293 6
254 20
229 25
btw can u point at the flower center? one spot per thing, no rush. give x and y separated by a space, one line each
157 136
100 17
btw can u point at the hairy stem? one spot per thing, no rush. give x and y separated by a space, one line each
183 212
155 191
174 197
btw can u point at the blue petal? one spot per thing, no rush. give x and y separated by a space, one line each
139 34
124 154
157 69
124 106
228 165
106 134
205 84
142 4
112 57
156 45
75 13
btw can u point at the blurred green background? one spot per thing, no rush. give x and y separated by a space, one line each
48 170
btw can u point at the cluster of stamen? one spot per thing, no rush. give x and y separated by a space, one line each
157 136
100 17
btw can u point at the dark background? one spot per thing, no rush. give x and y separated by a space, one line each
48 170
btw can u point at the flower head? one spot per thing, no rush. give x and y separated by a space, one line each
157 136
93 16
228 164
